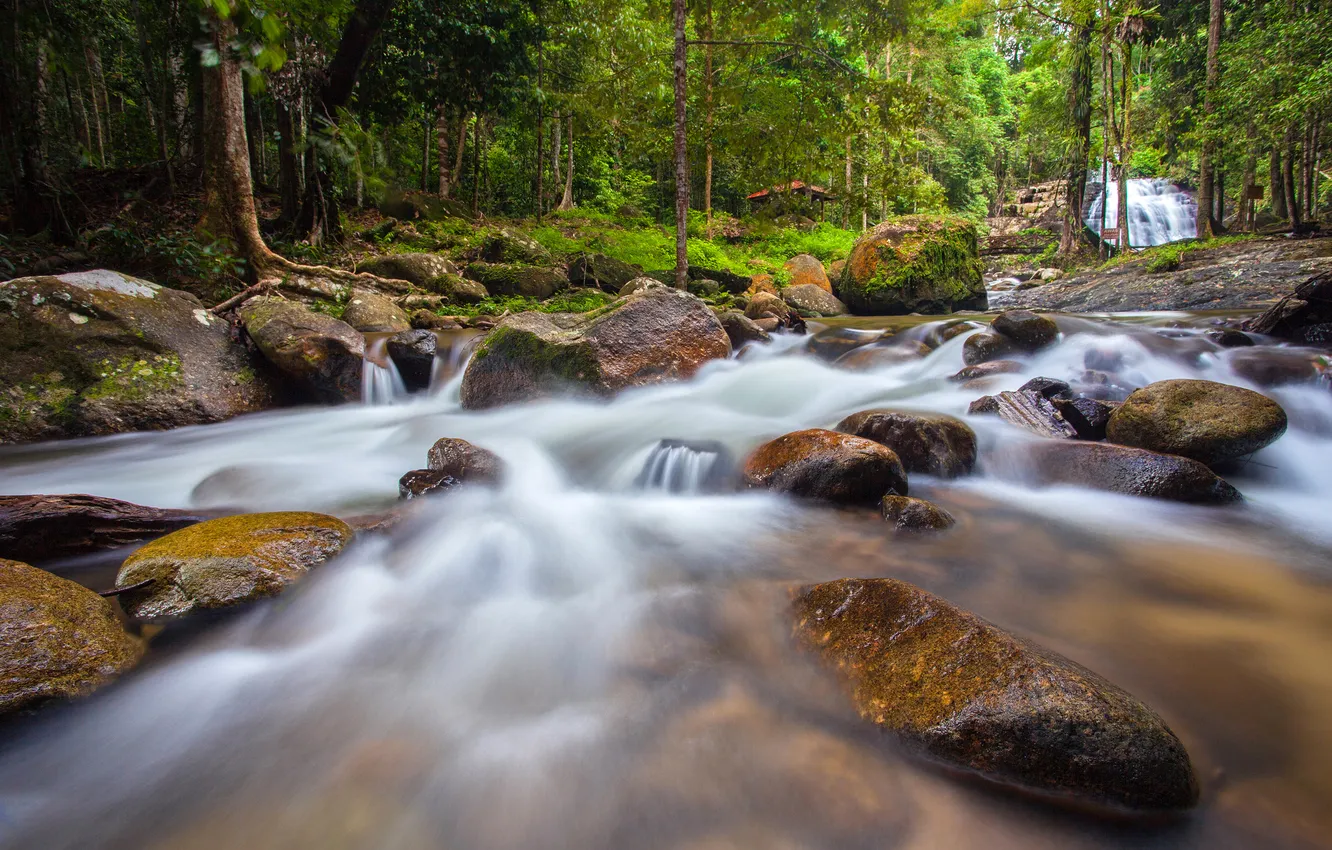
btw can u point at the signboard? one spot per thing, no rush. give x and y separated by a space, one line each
1255 193
1110 233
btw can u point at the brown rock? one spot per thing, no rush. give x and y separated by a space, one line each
418 268
826 466
986 346
1088 416
926 443
318 353
426 320
741 329
1026 409
1028 330
1203 420
464 461
965 692
807 270
370 312
880 354
762 283
988 369
1120 469
907 514
46 528
764 304
812 301
831 343
1276 367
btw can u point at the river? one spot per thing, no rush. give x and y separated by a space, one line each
569 661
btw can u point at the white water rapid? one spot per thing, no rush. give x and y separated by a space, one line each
1159 212
572 660
381 382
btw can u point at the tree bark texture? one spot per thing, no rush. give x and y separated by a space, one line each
681 160
566 203
1206 222
1080 113
442 150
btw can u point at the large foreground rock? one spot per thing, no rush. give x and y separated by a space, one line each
1121 469
100 352
228 561
44 528
57 639
317 353
963 691
650 337
915 264
413 268
928 443
1203 420
828 467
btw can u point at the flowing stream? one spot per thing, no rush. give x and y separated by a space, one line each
575 659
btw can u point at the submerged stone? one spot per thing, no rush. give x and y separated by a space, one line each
827 466
1121 469
1203 420
965 692
904 513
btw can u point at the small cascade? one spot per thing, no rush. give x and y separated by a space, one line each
685 466
452 356
381 382
1159 212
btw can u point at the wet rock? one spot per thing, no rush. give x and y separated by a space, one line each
427 320
768 325
58 640
1203 420
740 329
456 289
1298 316
1230 338
650 337
943 332
680 466
988 369
763 305
963 691
319 354
423 482
414 354
1276 367
806 270
827 466
926 443
1029 331
1026 409
102 353
1088 416
417 269
228 561
513 246
46 528
513 279
1121 469
986 347
831 343
812 301
1050 388
914 264
370 312
904 513
882 354
601 272
464 461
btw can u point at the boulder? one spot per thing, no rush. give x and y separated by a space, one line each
228 561
893 352
827 466
414 354
319 354
101 353
915 264
512 246
1229 338
741 329
731 282
421 206
513 279
764 304
1203 420
986 346
638 284
1267 366
830 344
903 513
650 337
417 269
761 283
1120 469
1025 329
704 288
428 320
813 301
450 463
808 271
601 272
370 312
1088 416
46 528
926 443
457 289
1051 388
965 692
58 639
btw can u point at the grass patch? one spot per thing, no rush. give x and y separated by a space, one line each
571 301
1169 257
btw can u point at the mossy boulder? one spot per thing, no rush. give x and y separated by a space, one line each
321 356
515 279
806 270
927 443
649 337
100 352
228 561
58 639
813 302
961 690
513 246
904 513
422 206
826 466
457 289
370 312
598 271
1203 420
417 268
915 264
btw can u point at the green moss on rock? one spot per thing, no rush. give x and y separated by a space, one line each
926 264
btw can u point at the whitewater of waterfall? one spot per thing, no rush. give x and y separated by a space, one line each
1159 212
381 382
677 466
568 660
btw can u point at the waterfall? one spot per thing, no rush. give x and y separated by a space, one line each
448 368
1159 212
685 466
381 383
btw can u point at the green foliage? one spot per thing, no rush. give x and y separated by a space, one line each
180 259
568 301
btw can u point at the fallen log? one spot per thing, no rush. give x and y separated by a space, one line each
34 529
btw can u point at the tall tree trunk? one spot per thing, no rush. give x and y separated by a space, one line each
566 203
442 150
1310 146
541 117
88 60
425 154
1219 198
476 165
289 165
707 120
556 150
1107 122
252 139
1079 113
1288 179
1122 138
681 161
846 199
460 147
318 220
36 200
1206 223
1244 218
153 100
1277 180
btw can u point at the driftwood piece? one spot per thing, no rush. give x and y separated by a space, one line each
1299 315
1029 410
34 529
